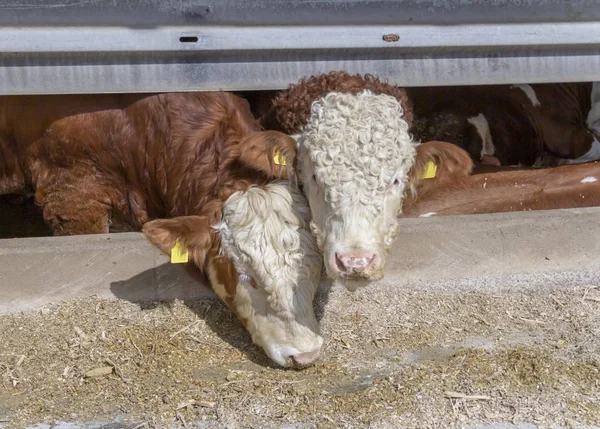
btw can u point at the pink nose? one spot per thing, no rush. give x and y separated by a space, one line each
304 359
355 262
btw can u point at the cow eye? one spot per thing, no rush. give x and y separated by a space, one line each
246 279
314 177
396 181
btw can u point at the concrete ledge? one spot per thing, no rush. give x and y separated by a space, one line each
506 250
36 271
503 250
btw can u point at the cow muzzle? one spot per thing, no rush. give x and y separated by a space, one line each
356 264
295 356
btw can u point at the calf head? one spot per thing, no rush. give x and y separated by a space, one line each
452 165
451 127
354 158
262 261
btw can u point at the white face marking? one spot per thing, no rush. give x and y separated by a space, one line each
264 233
483 129
354 156
589 179
428 214
529 92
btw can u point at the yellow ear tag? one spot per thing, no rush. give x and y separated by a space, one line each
279 158
179 254
430 171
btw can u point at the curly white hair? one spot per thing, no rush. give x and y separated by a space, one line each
354 155
264 233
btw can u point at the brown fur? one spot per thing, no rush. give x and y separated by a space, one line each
173 156
196 234
291 108
453 164
456 192
140 157
521 132
261 105
193 232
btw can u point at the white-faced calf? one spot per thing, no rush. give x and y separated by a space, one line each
262 261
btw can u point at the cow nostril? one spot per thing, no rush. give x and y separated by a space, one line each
305 359
340 264
355 262
371 260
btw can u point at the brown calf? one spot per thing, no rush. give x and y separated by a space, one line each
198 159
135 157
457 192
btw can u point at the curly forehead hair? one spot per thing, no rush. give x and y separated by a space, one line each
292 106
262 232
358 145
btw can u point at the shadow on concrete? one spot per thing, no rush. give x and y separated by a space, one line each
162 285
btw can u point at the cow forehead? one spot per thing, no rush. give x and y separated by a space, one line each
260 233
357 144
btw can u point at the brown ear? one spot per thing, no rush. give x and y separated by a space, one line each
452 162
193 232
268 151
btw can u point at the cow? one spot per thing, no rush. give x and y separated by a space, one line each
89 158
469 133
193 170
359 156
521 125
262 261
356 160
458 192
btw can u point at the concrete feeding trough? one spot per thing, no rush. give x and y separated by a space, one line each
476 317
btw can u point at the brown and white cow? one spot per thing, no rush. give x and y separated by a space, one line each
357 159
200 162
262 261
457 192
356 162
525 125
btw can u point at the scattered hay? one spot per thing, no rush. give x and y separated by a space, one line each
412 360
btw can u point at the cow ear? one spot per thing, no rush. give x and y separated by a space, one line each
439 162
270 152
192 233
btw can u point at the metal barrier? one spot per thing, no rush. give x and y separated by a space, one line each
71 46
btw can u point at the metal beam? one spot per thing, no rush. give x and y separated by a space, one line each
186 46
